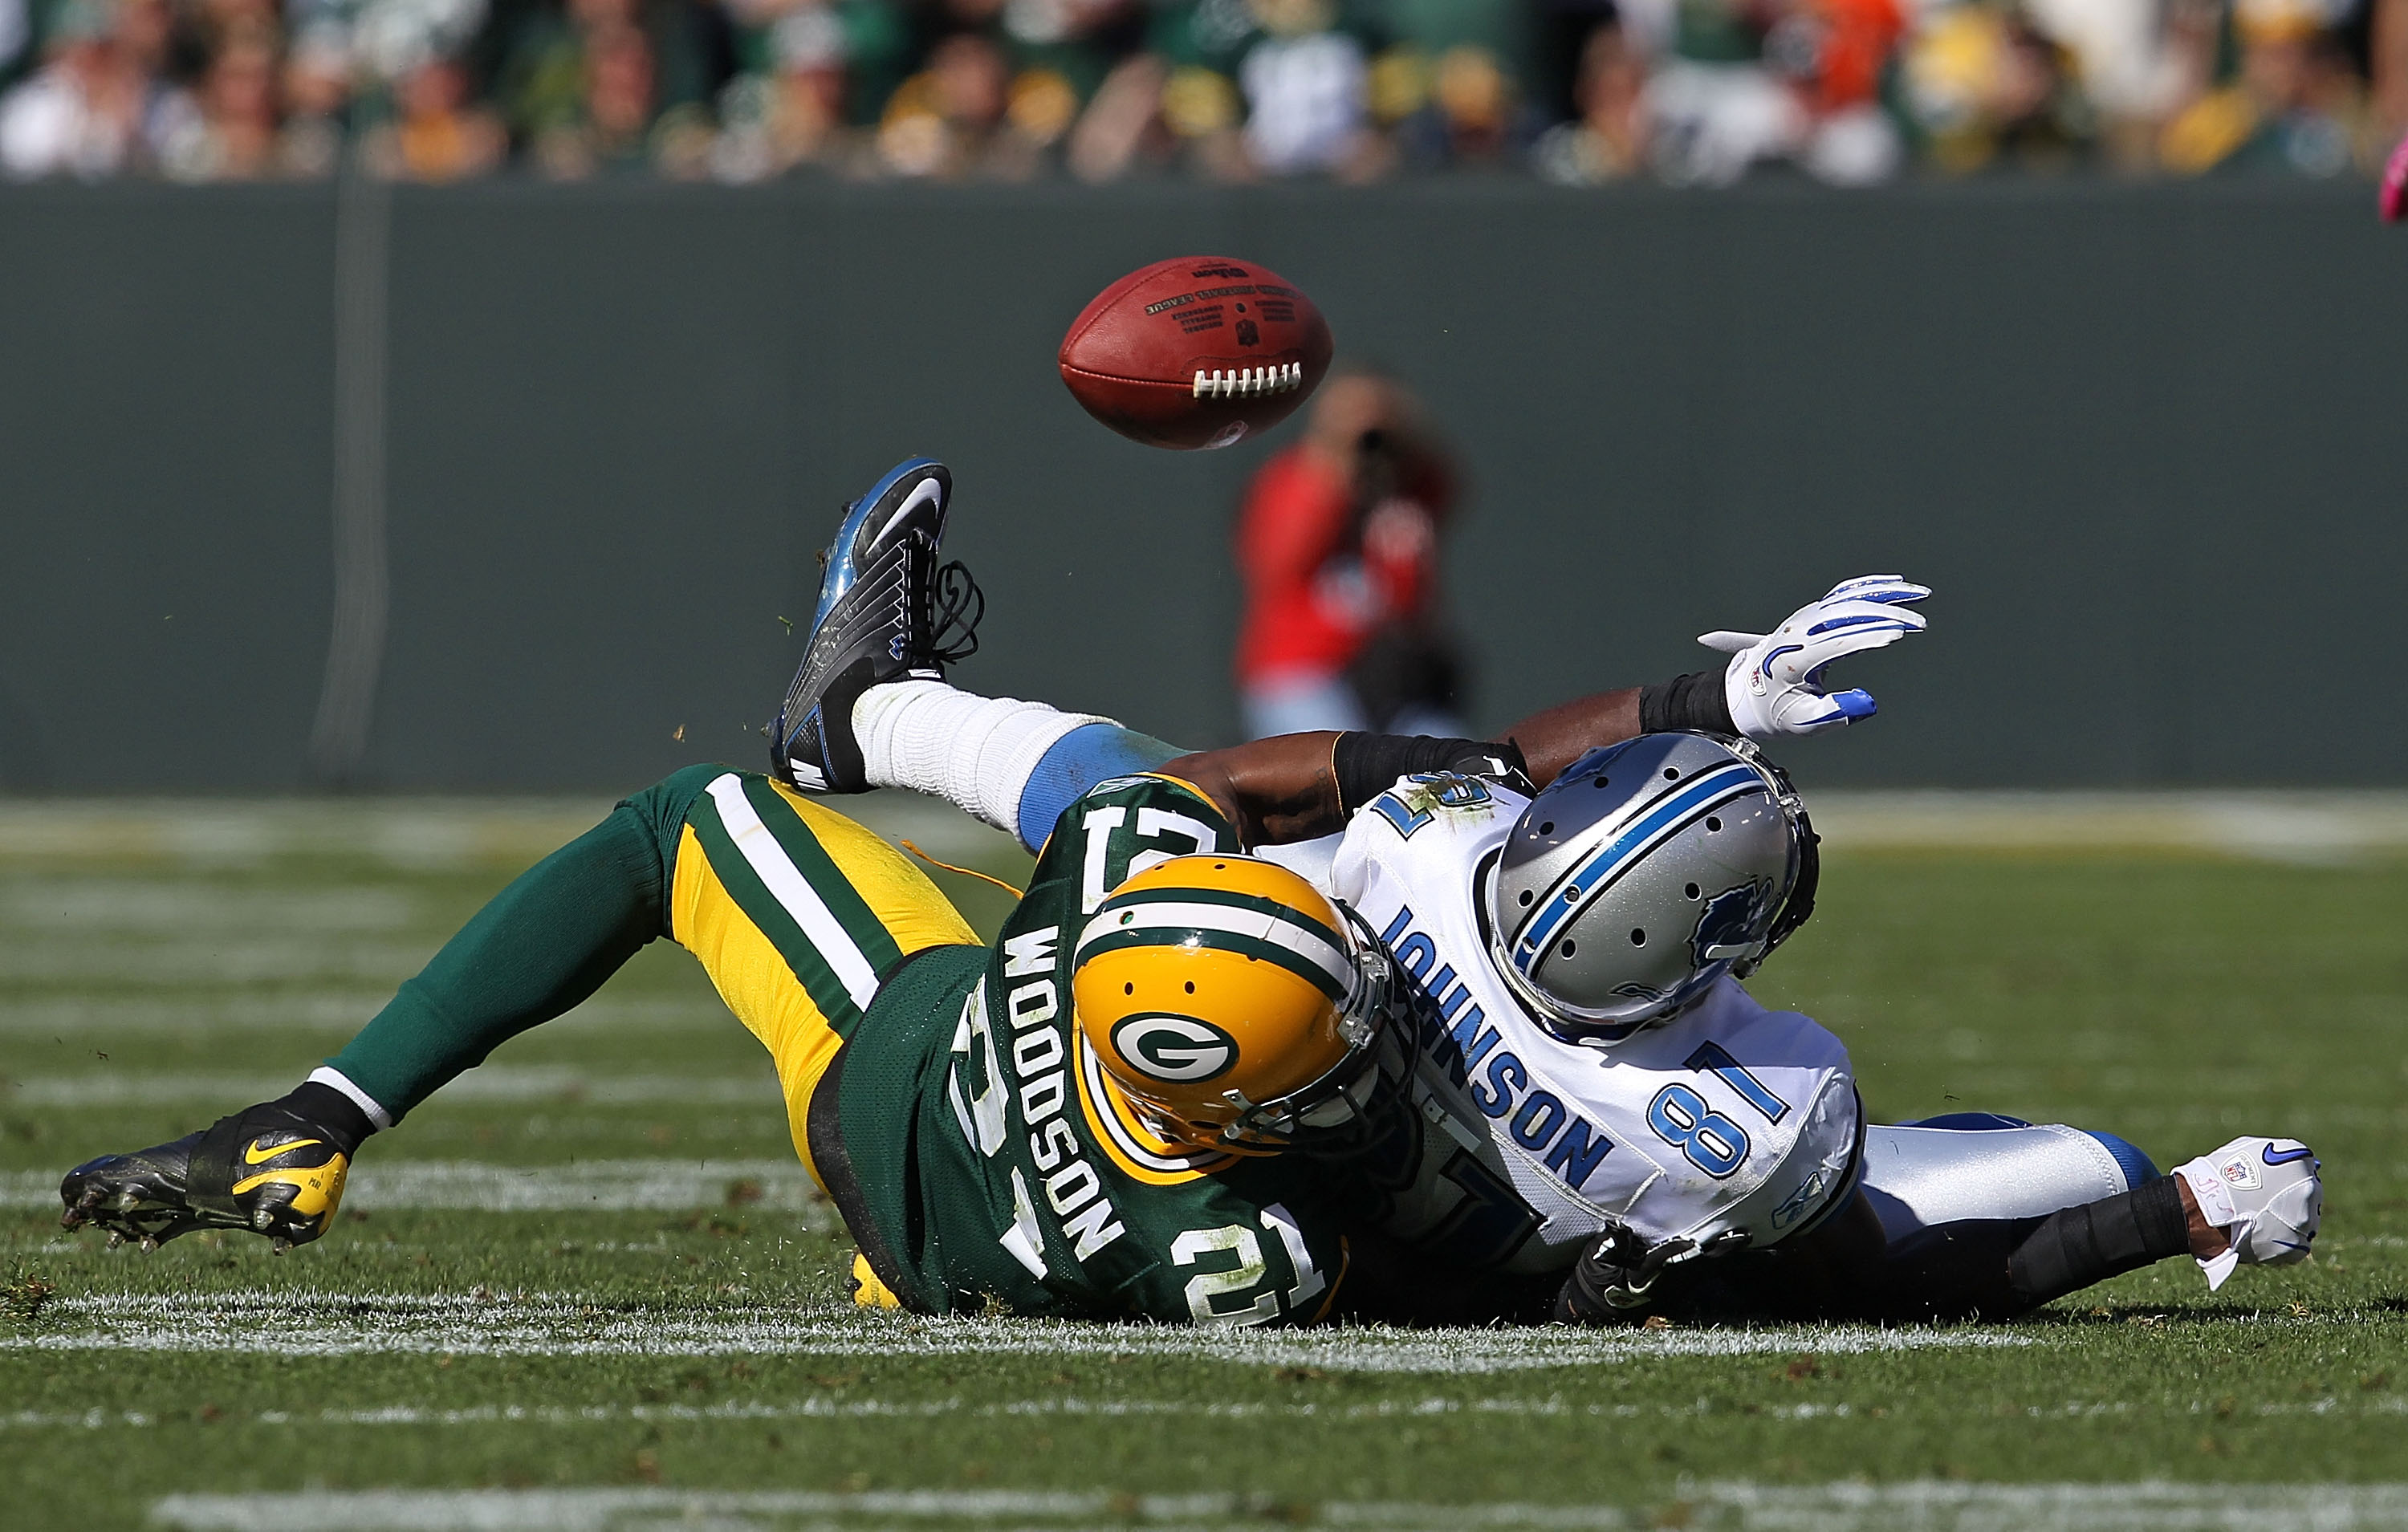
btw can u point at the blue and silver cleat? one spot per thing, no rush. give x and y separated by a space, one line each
886 606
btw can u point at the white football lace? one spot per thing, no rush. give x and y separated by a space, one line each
1240 382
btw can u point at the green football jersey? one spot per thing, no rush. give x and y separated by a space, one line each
995 1168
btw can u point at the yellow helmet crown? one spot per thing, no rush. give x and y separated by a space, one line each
1232 1004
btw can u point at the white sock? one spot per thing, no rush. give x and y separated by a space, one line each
330 1076
975 752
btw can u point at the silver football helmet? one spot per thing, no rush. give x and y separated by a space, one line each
1645 872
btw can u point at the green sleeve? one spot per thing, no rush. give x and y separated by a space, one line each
540 947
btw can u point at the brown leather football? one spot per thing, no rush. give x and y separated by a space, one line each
1200 352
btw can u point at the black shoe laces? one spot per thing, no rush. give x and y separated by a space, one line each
952 610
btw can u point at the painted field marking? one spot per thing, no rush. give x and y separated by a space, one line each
190 908
416 835
240 957
494 1082
342 1011
2310 827
1924 1505
837 1406
582 1185
311 1324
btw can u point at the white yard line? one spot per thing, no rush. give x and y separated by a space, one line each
412 833
553 1325
2312 827
1923 1504
494 1082
238 957
191 907
582 1185
839 1407
343 1011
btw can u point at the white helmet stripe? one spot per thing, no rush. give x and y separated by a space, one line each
1152 914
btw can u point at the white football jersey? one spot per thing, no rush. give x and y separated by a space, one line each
1730 1116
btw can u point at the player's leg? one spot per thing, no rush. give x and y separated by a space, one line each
799 915
796 912
1978 1164
540 947
1010 764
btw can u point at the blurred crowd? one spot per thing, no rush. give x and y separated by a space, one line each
1577 92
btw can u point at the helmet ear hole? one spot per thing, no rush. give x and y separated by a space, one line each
1637 936
1526 897
1568 948
1690 891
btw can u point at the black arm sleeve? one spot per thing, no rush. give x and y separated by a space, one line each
1368 765
1694 701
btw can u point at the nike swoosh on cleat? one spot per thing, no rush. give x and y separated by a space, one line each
2286 1157
2287 1244
253 1155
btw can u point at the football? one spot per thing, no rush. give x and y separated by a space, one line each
1197 353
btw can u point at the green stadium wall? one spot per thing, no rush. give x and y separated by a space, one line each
2145 440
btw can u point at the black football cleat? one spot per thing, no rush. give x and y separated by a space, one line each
266 1169
886 609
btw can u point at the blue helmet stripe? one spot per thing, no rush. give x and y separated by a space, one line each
1676 809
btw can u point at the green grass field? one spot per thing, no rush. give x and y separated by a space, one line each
588 1287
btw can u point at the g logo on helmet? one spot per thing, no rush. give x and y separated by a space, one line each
1178 1049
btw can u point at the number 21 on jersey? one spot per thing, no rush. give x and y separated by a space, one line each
1219 1296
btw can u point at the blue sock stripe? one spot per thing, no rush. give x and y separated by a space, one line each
2137 1168
1093 753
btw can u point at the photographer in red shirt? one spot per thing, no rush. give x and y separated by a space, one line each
1338 542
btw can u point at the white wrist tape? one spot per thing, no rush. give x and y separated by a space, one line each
975 752
2215 1205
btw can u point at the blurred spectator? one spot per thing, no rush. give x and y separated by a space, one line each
436 134
96 106
1304 87
233 134
2294 102
1577 92
317 101
1338 544
967 114
16 31
1607 137
606 86
1987 84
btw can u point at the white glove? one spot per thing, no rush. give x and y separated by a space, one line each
2265 1194
1773 683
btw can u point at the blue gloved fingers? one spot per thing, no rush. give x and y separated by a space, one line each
1854 703
1887 588
1831 615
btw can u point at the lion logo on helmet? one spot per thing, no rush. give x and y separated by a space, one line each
1726 928
1180 1050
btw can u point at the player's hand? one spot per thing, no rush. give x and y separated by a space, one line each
1616 1277
1774 681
